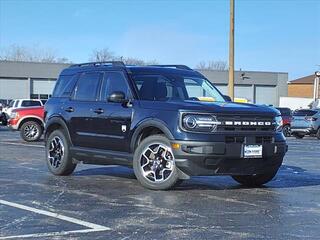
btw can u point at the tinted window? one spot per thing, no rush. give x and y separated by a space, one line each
28 103
178 88
285 111
87 87
155 88
16 103
304 112
64 86
114 82
11 104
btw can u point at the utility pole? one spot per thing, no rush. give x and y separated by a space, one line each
231 52
316 86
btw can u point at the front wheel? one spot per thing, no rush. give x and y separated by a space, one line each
286 131
255 180
154 163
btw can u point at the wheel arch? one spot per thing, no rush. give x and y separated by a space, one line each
147 128
55 123
31 118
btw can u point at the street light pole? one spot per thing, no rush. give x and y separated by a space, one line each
231 52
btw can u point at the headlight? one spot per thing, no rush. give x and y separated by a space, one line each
278 123
14 115
196 122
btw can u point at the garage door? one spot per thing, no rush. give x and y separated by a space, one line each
266 95
14 88
223 89
42 86
245 92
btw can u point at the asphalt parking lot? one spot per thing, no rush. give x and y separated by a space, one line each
107 202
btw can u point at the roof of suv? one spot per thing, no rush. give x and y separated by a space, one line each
153 69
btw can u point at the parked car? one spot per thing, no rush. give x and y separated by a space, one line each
29 121
21 103
286 115
305 122
168 122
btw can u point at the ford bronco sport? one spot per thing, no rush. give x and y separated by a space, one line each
168 122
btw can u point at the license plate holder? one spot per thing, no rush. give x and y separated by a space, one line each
252 151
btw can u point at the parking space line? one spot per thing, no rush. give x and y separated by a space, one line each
91 226
22 144
51 234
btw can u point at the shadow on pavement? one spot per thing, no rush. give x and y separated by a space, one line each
287 177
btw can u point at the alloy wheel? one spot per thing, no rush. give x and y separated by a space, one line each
31 131
56 152
157 162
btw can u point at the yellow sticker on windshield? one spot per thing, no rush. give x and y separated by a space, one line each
207 99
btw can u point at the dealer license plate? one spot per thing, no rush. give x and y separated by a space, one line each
252 151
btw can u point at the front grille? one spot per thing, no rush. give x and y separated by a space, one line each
239 123
249 140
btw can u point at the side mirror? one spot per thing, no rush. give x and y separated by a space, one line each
117 97
227 98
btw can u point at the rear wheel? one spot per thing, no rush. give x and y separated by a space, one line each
255 180
31 131
154 163
318 134
299 136
58 156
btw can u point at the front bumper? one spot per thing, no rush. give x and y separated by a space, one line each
308 130
220 158
13 124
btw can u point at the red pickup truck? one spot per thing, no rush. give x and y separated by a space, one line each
29 121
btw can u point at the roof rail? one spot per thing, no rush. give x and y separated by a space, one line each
173 66
94 64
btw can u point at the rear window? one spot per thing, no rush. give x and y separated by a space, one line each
304 112
285 111
64 86
28 103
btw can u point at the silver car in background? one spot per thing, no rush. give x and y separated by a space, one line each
306 122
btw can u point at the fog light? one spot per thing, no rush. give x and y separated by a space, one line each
175 145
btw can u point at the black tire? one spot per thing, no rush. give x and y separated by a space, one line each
299 136
59 162
255 180
138 160
4 121
318 134
286 131
31 131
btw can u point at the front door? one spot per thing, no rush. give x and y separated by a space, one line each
112 121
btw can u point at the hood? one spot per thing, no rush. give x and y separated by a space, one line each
210 107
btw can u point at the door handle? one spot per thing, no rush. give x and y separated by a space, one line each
69 109
99 111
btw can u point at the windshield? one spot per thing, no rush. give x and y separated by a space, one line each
11 104
176 88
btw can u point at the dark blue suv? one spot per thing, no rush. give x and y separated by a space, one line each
168 122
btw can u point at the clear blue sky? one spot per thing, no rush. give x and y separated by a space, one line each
274 35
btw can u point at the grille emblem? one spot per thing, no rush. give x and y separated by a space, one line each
247 123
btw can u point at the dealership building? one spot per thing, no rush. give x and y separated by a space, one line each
37 80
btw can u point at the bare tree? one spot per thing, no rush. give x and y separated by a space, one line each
212 65
102 55
21 53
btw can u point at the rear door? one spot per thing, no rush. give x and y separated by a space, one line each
112 121
79 109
